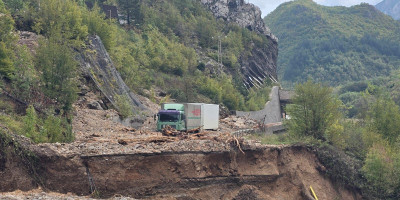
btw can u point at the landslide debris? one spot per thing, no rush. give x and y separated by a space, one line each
42 195
144 164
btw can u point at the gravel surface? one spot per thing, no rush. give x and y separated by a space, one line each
97 133
39 194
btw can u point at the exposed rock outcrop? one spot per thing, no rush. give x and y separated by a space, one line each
244 14
96 64
261 65
390 7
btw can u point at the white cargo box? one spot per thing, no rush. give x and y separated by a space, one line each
210 116
202 115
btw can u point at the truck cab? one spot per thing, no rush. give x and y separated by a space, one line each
187 116
172 115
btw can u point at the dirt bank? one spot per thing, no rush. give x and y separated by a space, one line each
112 159
262 172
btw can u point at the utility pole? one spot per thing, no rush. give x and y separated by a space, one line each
219 54
110 16
220 49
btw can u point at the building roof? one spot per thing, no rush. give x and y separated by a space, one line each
286 95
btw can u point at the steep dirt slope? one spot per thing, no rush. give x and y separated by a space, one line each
217 170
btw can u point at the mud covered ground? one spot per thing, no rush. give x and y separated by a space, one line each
120 162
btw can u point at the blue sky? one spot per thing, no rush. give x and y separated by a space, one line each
268 6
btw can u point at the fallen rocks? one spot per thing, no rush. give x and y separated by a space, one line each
122 142
95 105
236 122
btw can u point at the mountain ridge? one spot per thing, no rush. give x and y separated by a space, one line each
334 44
390 7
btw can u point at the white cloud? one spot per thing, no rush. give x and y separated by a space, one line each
268 6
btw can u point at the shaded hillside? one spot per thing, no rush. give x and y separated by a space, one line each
390 7
173 46
334 44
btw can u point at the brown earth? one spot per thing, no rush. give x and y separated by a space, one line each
146 165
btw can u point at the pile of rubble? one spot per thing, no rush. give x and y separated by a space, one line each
39 194
238 123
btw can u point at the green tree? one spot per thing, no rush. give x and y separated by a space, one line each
58 68
314 111
53 129
384 117
25 79
124 106
6 64
6 24
30 127
7 39
62 19
14 5
131 10
97 25
206 32
380 169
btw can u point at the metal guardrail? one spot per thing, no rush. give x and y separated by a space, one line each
265 130
243 132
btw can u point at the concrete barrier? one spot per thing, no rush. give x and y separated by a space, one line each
271 112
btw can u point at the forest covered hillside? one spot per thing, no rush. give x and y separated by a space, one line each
334 44
176 49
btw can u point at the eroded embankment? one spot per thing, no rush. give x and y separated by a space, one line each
262 172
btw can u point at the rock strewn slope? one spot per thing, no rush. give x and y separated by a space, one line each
98 66
261 64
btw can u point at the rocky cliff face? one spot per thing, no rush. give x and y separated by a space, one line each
96 65
390 7
262 64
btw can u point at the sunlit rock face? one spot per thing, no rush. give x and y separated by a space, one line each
261 65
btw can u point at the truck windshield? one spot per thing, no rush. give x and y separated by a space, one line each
169 117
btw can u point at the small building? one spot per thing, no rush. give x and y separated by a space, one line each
285 97
109 10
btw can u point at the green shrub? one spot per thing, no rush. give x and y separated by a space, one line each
6 64
6 26
385 119
98 25
25 79
62 19
124 107
13 124
257 98
210 88
30 127
315 111
58 69
379 169
52 129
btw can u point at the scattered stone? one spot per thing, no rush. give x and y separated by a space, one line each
83 90
122 142
128 129
94 135
95 106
